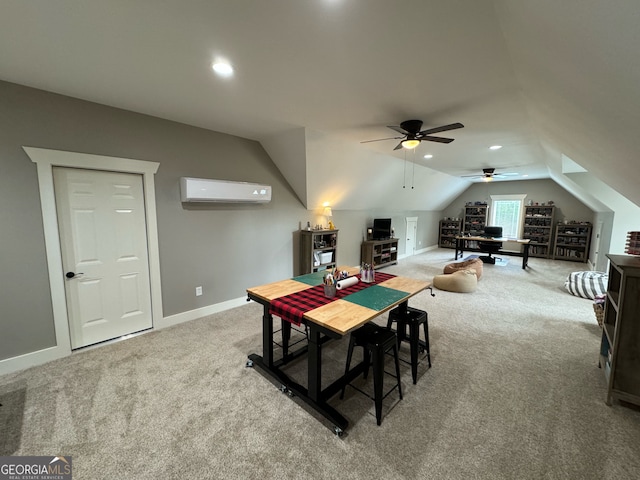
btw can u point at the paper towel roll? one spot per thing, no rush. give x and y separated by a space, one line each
347 282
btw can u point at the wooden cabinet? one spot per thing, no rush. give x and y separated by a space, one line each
475 219
379 253
318 250
449 230
572 242
538 227
621 330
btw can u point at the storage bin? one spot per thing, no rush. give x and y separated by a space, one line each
598 308
326 257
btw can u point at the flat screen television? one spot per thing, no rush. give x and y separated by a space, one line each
381 228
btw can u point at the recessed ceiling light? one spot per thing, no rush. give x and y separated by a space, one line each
223 69
495 147
428 155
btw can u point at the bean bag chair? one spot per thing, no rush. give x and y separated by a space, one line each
471 264
462 281
586 284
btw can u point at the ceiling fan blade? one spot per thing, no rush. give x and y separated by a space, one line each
504 175
410 131
380 139
444 128
437 139
397 129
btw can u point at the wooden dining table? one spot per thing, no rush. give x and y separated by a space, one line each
301 300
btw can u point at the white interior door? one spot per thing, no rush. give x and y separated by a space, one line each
412 227
103 238
596 245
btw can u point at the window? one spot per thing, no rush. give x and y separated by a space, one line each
506 212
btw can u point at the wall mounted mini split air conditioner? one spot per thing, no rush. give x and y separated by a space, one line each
205 190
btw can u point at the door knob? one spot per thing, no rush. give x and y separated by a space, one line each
72 274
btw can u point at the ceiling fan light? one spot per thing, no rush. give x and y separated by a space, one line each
410 143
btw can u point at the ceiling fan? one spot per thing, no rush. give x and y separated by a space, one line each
412 135
489 174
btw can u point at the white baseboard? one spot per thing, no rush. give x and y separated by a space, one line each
427 249
199 312
31 359
422 250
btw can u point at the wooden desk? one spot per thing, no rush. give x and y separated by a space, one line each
330 321
460 244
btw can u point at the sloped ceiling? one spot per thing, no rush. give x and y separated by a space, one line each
543 79
579 70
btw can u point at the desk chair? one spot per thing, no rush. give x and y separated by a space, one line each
490 247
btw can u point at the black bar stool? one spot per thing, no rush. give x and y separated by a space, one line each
412 318
376 341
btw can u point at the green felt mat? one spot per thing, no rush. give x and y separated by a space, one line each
376 297
313 279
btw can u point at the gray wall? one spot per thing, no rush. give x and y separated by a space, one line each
353 227
223 248
568 207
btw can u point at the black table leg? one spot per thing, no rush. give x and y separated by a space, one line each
286 336
267 337
313 395
459 247
315 364
525 256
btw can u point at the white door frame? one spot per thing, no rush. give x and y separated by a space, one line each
409 220
596 245
45 160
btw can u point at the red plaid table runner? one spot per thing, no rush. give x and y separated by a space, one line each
293 307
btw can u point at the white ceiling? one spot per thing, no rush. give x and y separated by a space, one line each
542 78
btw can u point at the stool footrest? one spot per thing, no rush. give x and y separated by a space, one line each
373 398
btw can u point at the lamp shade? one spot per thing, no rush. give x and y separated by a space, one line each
410 144
327 212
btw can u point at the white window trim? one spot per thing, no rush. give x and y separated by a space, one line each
516 196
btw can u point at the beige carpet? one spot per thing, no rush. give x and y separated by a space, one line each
514 393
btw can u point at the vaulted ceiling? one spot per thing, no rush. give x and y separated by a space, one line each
547 80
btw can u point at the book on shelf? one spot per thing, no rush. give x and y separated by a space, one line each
633 243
